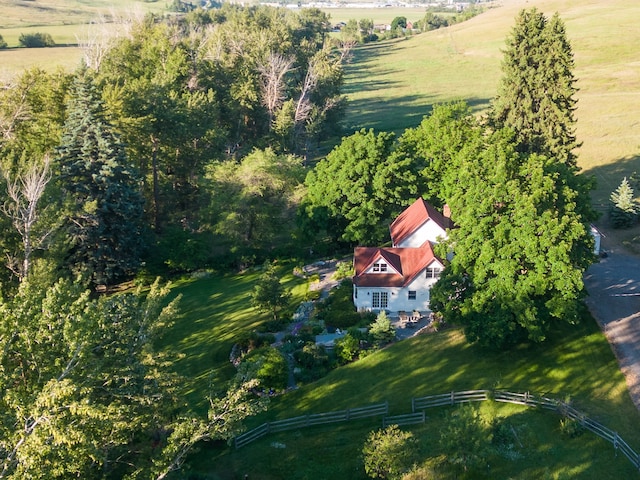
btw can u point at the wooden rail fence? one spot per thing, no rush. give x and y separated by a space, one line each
417 415
379 409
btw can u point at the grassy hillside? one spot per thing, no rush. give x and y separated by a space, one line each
391 86
577 364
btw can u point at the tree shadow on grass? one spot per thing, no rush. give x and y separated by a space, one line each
395 114
609 176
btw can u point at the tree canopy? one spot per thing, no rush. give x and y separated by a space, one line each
361 185
84 393
521 246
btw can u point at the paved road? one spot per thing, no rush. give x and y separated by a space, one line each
614 300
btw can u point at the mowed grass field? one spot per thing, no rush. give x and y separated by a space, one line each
65 20
46 13
392 85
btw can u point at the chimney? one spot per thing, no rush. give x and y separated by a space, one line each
446 213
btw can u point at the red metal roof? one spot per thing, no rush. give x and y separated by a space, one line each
412 218
408 261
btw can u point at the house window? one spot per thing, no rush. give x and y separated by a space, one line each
380 299
380 267
433 272
412 294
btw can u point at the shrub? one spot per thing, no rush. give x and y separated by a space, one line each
347 348
464 439
182 250
343 270
313 362
381 331
338 310
3 43
36 40
271 367
252 341
272 326
389 453
570 427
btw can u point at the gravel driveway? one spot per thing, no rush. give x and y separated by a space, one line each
614 300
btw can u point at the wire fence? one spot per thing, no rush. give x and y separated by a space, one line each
417 415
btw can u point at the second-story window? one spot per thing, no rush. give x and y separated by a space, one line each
380 267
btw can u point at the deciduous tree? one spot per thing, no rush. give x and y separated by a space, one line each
22 208
254 201
362 185
521 247
389 453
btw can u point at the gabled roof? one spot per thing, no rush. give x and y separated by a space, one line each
408 261
412 218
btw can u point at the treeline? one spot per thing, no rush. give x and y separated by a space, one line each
364 30
180 144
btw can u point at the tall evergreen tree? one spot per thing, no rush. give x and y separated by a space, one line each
101 192
536 94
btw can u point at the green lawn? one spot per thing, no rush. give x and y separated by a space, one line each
576 364
216 311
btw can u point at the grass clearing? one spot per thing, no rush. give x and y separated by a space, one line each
217 310
539 451
19 14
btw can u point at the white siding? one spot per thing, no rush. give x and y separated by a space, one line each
398 297
428 231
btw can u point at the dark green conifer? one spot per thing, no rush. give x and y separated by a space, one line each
100 190
536 95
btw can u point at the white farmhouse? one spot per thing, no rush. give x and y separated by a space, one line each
399 278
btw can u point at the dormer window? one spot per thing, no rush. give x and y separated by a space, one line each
380 267
433 272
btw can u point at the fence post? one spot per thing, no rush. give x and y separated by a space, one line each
413 405
348 414
453 397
